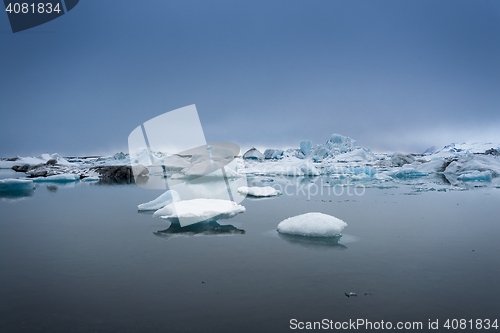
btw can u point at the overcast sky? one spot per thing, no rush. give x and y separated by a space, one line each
394 75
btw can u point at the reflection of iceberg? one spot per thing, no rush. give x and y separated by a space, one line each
316 243
210 227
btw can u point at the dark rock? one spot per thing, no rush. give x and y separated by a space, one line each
21 168
399 159
493 152
12 159
122 172
38 173
446 164
52 161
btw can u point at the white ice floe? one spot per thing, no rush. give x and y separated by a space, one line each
312 225
256 191
196 210
160 202
62 178
90 179
11 184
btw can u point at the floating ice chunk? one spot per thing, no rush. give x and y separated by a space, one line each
196 210
11 185
480 176
62 178
255 191
160 202
91 179
253 154
312 225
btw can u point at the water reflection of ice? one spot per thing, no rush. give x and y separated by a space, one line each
205 228
314 243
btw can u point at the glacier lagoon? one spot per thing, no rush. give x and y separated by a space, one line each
79 257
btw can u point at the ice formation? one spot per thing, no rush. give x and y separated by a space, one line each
255 191
62 178
253 154
200 209
11 185
273 154
160 202
312 225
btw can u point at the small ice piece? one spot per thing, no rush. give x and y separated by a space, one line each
11 185
255 191
160 202
200 209
312 225
62 178
351 294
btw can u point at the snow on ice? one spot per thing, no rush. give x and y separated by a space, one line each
312 225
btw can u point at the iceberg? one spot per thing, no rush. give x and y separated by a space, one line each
16 185
197 210
312 225
255 191
253 154
62 178
160 202
273 154
305 147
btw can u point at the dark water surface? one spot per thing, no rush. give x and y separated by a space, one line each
83 259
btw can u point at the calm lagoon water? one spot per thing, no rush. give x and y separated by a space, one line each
80 258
